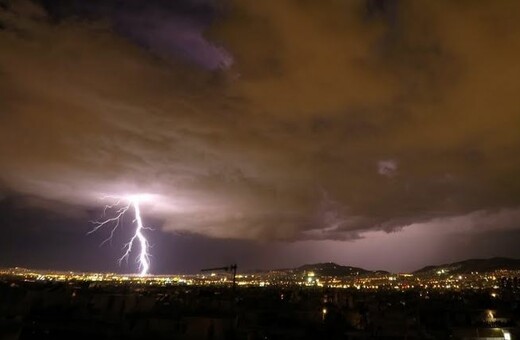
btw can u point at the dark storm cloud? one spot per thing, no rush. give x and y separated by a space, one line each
320 120
165 28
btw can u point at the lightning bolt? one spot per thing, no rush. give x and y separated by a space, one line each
119 207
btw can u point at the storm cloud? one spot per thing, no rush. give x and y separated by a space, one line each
283 120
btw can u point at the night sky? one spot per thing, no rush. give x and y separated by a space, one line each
382 134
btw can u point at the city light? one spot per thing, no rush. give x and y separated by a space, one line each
425 285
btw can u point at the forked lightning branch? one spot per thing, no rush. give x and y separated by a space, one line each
112 218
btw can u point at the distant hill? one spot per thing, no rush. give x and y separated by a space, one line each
331 269
473 265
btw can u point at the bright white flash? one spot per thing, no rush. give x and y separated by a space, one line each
119 206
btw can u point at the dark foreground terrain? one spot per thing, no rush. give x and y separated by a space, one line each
87 310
